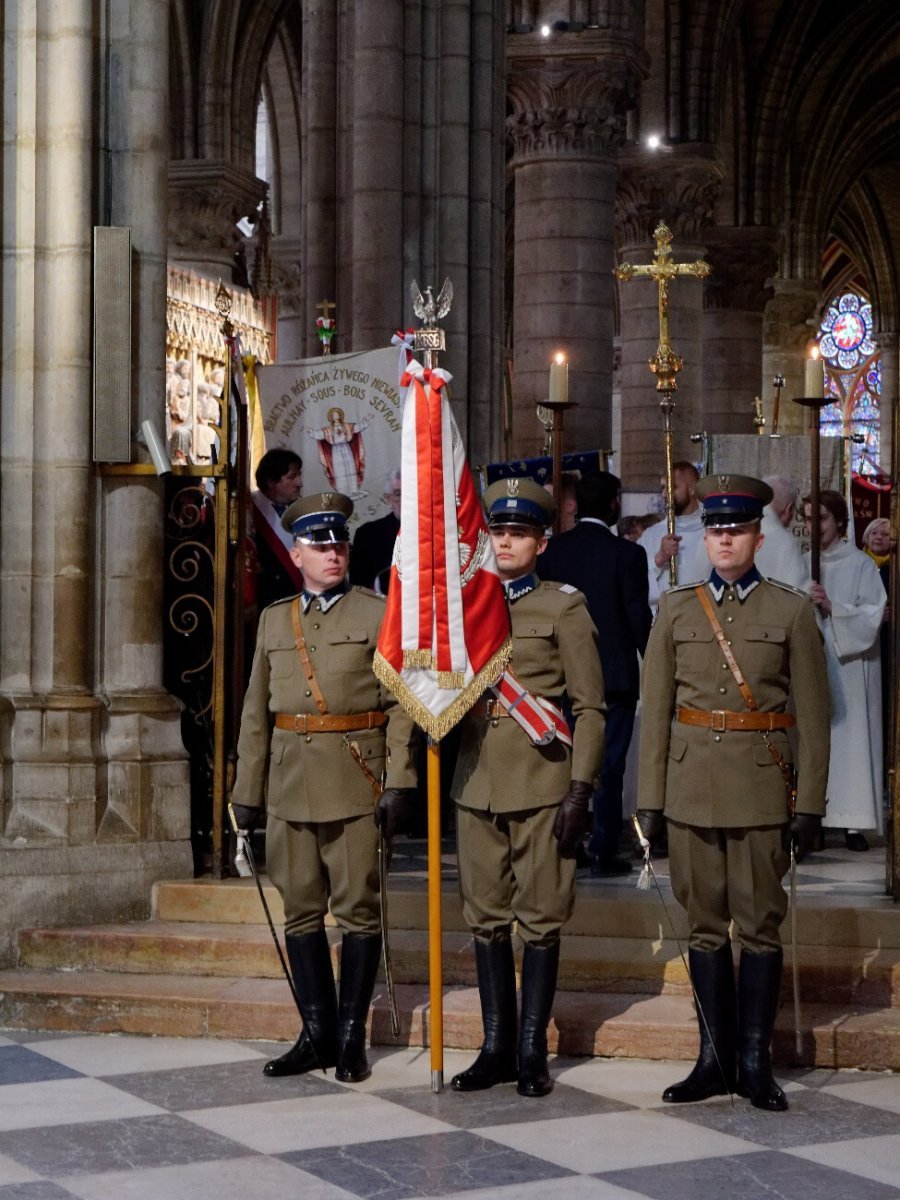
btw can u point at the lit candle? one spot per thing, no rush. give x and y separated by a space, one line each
814 376
559 380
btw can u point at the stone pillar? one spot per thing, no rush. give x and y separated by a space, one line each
49 717
206 200
788 325
319 209
888 341
742 261
376 206
567 100
95 794
682 194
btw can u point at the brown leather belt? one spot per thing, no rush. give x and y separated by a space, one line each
489 709
310 723
719 720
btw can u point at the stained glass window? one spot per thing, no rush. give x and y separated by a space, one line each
852 378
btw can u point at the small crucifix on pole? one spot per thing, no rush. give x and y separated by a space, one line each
326 324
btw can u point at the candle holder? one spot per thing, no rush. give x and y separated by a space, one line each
550 414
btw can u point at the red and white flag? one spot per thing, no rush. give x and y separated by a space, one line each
445 637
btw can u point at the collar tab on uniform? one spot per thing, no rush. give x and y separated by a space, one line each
742 587
517 588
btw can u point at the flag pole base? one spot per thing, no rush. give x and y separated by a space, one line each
437 1081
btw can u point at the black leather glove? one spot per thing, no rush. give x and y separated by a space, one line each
652 823
803 830
394 811
572 820
247 817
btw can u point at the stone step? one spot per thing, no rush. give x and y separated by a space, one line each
611 1024
601 910
830 974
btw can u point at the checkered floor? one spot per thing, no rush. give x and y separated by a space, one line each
110 1118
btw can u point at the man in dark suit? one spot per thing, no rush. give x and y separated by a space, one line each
612 573
373 545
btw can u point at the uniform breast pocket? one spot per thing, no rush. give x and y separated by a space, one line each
349 650
765 647
281 662
532 647
693 649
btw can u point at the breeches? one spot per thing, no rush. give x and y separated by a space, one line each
724 875
510 869
310 863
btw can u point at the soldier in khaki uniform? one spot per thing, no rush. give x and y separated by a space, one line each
707 764
310 696
522 808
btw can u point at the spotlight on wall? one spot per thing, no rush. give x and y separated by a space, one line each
545 31
156 448
654 141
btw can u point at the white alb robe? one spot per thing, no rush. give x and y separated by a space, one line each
853 655
691 563
780 557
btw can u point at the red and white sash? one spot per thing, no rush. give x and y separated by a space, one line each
541 720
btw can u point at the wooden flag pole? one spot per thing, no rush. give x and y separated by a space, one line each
435 918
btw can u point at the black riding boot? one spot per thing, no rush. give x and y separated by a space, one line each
496 1061
359 966
316 1047
540 965
712 973
759 983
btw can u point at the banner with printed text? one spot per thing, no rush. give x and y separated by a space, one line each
342 414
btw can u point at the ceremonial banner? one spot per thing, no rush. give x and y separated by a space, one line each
342 415
446 633
582 462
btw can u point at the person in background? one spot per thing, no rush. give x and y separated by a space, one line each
850 600
779 556
661 547
279 482
611 573
373 542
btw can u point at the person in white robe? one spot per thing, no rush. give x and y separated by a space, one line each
780 557
684 545
850 600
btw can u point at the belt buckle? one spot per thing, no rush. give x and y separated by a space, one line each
717 722
299 722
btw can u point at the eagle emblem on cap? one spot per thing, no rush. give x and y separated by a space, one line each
327 499
724 482
512 487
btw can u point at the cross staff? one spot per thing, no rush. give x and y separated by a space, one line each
666 365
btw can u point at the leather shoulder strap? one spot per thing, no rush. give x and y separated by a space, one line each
706 604
300 643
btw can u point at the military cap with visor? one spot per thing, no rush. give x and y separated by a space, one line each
519 501
321 517
732 500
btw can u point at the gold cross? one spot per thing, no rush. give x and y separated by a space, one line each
666 364
325 306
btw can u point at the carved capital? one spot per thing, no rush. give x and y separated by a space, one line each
286 281
790 316
680 190
743 262
206 200
569 98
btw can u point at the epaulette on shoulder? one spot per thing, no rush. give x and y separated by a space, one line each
283 600
786 587
568 588
357 587
684 587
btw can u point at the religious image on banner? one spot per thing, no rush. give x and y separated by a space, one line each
348 408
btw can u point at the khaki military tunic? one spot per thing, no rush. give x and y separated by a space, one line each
721 791
321 839
508 790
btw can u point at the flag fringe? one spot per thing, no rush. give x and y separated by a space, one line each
438 726
418 658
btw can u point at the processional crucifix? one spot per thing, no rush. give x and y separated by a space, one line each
666 365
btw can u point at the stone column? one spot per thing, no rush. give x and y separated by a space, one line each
682 194
377 155
146 795
48 714
568 99
742 261
888 341
788 324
